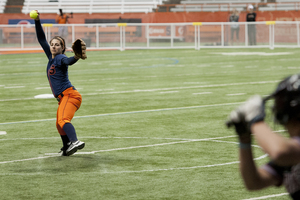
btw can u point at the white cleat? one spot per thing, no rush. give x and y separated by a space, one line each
74 146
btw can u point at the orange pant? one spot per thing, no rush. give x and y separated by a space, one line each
68 105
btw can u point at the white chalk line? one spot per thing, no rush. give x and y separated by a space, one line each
14 87
154 145
3 133
28 159
167 92
145 146
191 87
236 94
123 113
202 93
98 137
116 149
158 89
147 171
268 196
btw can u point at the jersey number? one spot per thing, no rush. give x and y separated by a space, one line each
52 70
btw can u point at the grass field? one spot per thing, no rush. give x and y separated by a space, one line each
152 120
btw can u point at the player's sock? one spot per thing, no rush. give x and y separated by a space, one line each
65 141
70 131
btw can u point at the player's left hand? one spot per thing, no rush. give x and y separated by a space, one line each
250 112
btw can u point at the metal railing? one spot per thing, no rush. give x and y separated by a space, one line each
124 36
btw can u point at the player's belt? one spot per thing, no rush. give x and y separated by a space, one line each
61 95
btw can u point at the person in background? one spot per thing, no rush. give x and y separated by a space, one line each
284 152
63 19
251 17
235 28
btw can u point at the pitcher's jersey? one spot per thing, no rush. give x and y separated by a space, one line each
57 68
57 73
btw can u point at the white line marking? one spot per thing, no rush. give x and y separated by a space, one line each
190 87
183 168
116 64
2 132
41 88
95 137
269 196
100 90
192 83
203 93
161 89
131 112
16 99
145 146
44 96
12 87
168 92
28 159
116 149
91 94
227 66
237 94
109 79
204 65
254 53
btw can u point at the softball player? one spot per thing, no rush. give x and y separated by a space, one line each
284 167
69 99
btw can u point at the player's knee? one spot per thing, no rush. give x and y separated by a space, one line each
59 129
62 122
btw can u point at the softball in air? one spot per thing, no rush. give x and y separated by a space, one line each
33 14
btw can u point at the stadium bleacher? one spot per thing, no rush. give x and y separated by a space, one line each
212 5
287 1
2 5
91 6
285 5
146 6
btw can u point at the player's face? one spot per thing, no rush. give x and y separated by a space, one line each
55 47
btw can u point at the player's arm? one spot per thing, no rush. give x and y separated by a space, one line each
254 178
282 151
41 37
69 61
243 118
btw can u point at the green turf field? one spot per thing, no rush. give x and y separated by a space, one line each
152 120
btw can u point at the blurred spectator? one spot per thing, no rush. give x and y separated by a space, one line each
63 19
235 27
251 17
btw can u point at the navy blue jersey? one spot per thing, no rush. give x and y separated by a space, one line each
57 68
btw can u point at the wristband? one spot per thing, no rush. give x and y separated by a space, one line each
245 145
